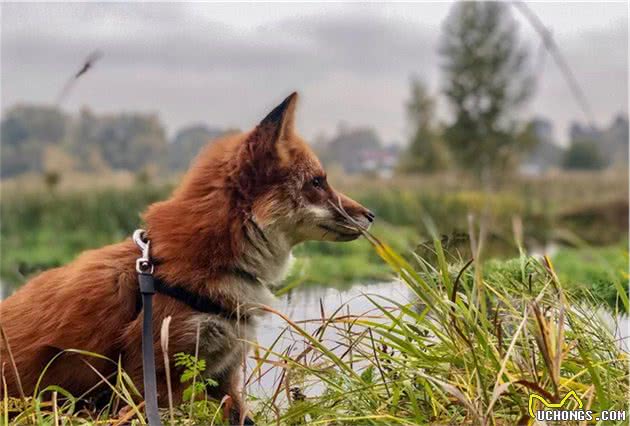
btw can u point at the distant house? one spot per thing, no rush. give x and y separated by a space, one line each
616 142
381 161
546 155
612 141
359 150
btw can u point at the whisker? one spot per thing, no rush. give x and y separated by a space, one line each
366 233
355 225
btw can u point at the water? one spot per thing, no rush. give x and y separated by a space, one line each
304 303
619 327
303 306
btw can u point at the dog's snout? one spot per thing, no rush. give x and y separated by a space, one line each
356 210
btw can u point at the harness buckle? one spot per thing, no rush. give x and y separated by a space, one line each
143 263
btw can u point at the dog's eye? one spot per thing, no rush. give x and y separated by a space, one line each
318 182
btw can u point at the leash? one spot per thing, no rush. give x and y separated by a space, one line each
144 268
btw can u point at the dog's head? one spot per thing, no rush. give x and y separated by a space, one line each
284 184
266 184
247 199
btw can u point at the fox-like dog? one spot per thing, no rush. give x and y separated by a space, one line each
223 236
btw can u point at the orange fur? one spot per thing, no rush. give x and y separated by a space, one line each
245 202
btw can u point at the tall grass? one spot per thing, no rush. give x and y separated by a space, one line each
42 230
469 348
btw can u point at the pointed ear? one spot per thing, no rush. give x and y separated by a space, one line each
281 120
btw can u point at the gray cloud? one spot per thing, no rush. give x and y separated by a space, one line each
197 62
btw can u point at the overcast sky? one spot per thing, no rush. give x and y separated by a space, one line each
228 64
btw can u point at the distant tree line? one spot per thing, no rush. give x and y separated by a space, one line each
31 134
44 139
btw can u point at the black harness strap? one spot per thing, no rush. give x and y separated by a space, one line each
198 302
147 289
144 267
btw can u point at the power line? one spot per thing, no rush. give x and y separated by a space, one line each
556 54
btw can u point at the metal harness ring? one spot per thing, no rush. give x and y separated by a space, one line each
143 263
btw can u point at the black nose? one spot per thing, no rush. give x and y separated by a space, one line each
370 216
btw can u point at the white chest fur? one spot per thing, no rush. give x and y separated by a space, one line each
223 343
267 254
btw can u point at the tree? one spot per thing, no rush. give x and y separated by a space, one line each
128 141
584 155
33 122
38 139
188 142
426 152
26 131
486 82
